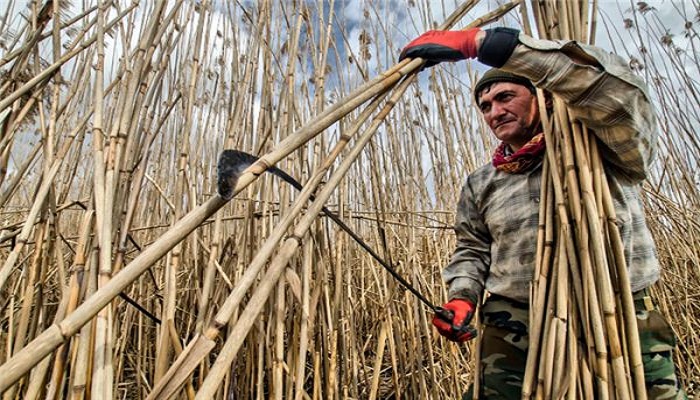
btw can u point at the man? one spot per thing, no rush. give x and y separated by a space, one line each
497 215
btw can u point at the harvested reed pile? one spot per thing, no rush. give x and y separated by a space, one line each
125 274
583 331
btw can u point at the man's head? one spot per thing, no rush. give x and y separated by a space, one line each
508 103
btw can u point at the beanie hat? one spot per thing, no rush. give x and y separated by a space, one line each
497 75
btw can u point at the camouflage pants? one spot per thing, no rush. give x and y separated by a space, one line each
504 345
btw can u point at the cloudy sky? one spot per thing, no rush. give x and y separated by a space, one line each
374 31
402 20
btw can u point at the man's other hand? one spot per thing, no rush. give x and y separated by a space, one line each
457 329
438 46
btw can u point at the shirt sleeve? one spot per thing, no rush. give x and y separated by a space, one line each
601 92
469 266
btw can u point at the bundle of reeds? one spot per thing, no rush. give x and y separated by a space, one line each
583 331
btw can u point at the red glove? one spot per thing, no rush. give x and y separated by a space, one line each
439 46
452 320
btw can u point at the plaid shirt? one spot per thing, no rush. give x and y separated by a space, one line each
498 213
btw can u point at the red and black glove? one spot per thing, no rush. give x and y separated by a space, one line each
439 46
452 320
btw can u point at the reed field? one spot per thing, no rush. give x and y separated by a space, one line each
125 275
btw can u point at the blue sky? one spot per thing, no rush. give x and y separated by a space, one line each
387 25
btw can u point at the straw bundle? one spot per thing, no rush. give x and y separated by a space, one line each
583 333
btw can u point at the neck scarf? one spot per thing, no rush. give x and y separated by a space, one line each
522 160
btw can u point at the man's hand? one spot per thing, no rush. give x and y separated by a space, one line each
439 46
457 329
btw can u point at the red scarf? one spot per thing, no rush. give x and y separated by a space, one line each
522 160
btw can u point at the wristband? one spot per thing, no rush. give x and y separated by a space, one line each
498 45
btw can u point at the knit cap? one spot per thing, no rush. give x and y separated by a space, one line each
497 75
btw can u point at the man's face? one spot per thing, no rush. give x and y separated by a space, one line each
511 111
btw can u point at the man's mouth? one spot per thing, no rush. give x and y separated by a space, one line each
498 125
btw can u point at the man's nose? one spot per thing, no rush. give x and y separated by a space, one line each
497 110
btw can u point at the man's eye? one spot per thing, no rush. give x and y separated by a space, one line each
504 96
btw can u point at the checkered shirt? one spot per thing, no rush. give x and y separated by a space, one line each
498 213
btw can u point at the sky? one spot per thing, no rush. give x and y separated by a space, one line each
403 20
385 26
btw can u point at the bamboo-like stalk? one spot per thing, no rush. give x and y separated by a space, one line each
381 345
304 328
168 313
81 378
72 295
101 372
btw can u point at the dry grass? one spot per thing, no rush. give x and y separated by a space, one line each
112 120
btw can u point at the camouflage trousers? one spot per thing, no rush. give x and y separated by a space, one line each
504 345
